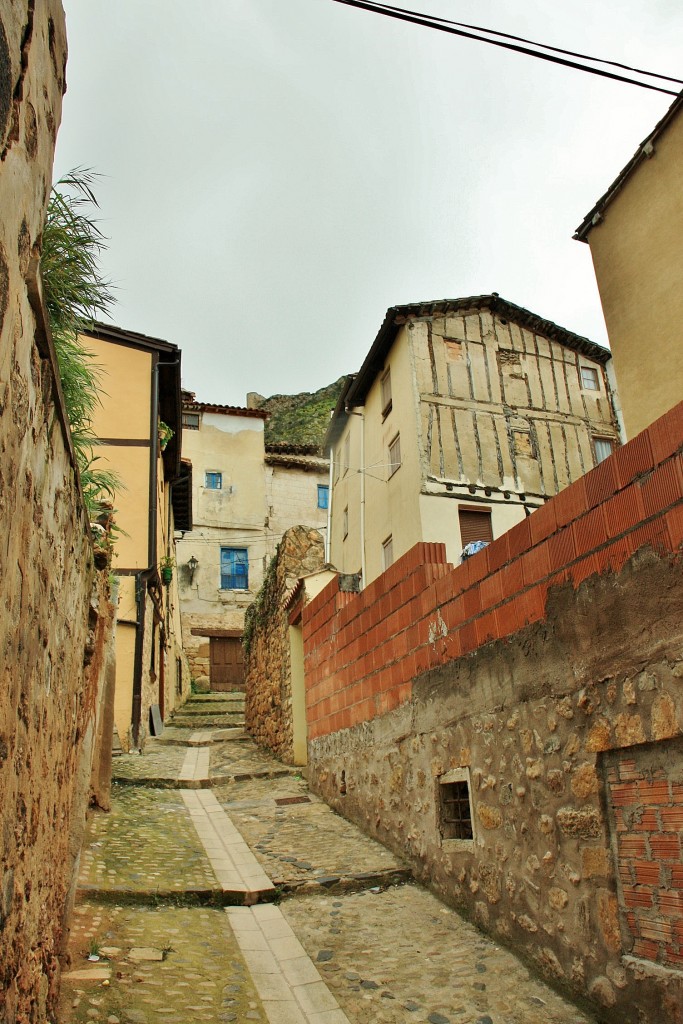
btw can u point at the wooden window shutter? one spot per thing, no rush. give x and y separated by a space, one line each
475 525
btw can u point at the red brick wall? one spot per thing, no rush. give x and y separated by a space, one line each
362 651
646 804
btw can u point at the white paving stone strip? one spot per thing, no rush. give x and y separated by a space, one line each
195 766
201 739
286 979
234 865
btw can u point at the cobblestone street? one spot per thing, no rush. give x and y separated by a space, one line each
220 889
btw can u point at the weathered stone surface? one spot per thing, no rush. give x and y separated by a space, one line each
546 831
583 823
602 991
268 705
663 717
558 899
490 817
584 780
53 624
202 684
629 730
595 861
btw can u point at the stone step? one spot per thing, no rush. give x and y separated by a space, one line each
210 722
212 782
209 712
212 698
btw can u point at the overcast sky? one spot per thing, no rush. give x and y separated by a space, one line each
277 173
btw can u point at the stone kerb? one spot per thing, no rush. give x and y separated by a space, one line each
362 651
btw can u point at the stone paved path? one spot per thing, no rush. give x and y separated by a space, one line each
178 902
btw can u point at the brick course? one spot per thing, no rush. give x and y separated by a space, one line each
423 612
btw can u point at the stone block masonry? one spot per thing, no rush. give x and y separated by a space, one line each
54 616
268 707
513 727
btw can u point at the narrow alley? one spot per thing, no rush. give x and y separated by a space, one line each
220 889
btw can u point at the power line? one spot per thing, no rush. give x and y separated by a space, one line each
533 42
459 29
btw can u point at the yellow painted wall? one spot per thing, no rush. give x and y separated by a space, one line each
638 259
299 727
124 415
126 384
123 696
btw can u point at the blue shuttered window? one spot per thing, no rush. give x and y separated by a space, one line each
234 569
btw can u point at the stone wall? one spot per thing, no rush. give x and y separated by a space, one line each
55 615
268 700
538 688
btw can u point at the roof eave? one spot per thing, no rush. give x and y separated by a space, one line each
338 417
644 152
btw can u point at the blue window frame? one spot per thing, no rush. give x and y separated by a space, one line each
213 481
234 569
323 495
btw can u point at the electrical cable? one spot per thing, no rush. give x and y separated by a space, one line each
442 25
531 42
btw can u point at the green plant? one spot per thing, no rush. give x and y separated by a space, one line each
165 434
167 562
75 294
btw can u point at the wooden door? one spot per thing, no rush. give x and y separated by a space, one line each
227 663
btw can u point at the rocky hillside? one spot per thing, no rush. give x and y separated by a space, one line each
300 419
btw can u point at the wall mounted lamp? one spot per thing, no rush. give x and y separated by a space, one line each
192 565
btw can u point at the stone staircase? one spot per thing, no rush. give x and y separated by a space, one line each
210 711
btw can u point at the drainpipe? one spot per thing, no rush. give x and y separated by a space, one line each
362 497
143 578
141 581
329 509
154 434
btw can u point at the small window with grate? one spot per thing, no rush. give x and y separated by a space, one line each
455 809
191 420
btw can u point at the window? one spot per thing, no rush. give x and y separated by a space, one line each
395 455
386 393
345 523
387 552
475 524
603 449
323 495
346 458
234 569
190 420
213 481
455 810
589 379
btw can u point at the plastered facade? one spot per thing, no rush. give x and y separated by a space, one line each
635 244
151 666
228 442
491 415
292 483
262 494
55 614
